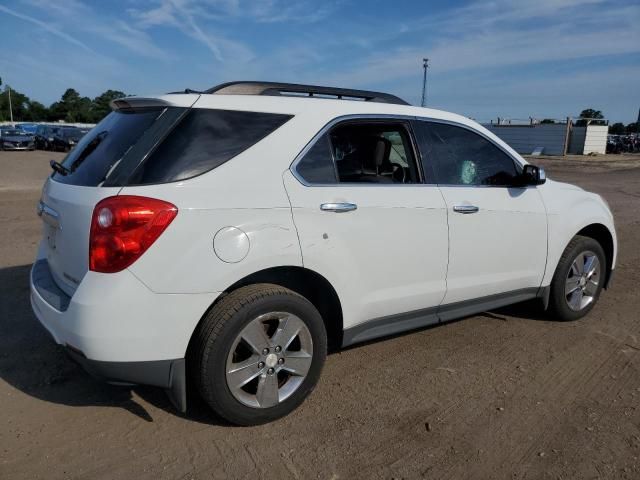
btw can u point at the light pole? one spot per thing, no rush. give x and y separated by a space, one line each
425 65
10 109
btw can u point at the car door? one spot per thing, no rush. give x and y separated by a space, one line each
368 223
497 231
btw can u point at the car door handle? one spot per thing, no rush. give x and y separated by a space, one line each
465 208
338 207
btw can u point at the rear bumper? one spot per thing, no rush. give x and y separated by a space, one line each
118 329
167 374
156 373
115 317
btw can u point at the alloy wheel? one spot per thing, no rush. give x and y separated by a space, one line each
581 285
269 359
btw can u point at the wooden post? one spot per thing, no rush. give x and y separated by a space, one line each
567 137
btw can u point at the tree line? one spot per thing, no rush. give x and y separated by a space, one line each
70 108
73 108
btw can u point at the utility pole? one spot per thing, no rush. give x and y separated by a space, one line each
425 65
10 109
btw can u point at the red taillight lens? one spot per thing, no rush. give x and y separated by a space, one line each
123 228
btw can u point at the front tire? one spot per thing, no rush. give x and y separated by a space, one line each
258 354
578 279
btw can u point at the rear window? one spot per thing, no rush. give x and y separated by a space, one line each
204 140
98 152
159 145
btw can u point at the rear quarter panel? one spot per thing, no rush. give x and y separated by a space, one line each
247 193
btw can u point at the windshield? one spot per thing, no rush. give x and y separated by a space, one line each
27 127
98 152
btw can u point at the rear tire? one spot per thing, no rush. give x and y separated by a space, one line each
578 279
266 336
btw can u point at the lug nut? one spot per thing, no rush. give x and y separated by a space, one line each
260 364
281 361
265 351
270 371
278 349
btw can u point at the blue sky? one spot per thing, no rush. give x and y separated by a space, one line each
508 58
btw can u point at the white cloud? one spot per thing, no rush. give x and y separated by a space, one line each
45 26
81 18
467 42
189 16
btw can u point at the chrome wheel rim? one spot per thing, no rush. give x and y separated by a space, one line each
269 359
582 281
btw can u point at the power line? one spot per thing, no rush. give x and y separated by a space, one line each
425 65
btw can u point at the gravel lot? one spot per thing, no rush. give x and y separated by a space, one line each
506 394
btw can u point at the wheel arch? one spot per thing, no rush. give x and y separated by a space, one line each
308 283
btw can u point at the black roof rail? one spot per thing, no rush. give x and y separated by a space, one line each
294 89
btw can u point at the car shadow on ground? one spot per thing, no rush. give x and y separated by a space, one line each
31 362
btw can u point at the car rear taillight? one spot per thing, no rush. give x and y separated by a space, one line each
123 228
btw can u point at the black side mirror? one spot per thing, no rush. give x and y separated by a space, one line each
532 175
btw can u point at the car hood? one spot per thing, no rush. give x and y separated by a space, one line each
564 186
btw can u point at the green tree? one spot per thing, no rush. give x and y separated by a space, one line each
633 127
617 129
37 111
547 121
71 108
590 114
100 105
19 105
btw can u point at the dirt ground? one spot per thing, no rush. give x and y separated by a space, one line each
506 394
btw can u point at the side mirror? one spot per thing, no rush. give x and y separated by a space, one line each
533 175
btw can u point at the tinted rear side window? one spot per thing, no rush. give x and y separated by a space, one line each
317 164
204 140
104 146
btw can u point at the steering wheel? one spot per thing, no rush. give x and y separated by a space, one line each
399 174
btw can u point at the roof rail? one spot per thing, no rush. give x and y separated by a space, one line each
294 89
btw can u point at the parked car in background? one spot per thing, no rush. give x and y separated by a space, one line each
65 138
14 139
623 143
226 238
43 137
29 128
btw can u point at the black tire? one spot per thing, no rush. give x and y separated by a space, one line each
217 332
558 306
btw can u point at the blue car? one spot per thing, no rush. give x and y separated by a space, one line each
15 139
29 128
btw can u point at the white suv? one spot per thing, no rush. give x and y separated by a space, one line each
229 237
